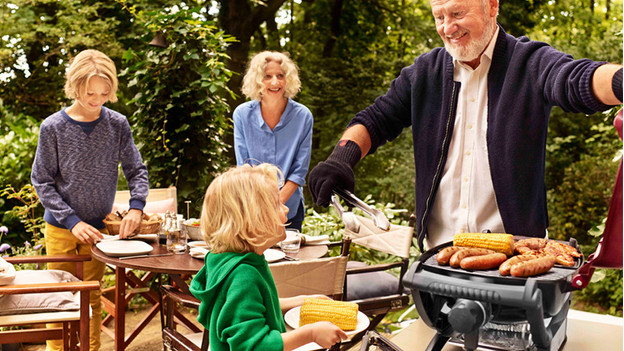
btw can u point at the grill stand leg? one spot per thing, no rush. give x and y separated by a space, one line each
471 340
542 335
438 342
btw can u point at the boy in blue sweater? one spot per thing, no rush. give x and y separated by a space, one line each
75 171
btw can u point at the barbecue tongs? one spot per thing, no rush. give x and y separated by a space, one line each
348 217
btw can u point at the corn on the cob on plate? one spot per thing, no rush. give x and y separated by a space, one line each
342 314
498 242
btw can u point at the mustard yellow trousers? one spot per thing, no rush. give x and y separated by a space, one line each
61 241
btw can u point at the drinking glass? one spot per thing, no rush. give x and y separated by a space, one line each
291 244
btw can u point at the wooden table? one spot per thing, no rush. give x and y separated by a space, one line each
175 266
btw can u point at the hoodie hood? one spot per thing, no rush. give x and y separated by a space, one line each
207 283
239 302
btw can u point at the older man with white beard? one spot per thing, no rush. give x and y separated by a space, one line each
479 110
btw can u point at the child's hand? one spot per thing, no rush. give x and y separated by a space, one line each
86 233
130 223
326 334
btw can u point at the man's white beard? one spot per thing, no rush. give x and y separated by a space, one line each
474 49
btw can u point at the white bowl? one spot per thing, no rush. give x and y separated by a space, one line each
194 232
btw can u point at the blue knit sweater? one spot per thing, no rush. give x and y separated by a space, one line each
76 166
526 79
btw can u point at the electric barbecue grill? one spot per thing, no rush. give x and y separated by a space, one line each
493 312
487 310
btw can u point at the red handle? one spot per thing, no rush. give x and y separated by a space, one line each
609 251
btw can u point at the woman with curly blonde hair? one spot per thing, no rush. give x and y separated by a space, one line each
273 128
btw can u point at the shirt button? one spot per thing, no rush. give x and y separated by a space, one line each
467 153
465 179
470 126
472 99
464 206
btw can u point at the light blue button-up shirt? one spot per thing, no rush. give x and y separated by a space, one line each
288 145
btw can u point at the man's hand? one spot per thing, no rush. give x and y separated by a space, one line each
130 223
327 176
334 173
86 233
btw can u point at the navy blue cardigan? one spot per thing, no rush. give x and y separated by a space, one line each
526 79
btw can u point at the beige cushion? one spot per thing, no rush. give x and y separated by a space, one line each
323 276
160 206
44 302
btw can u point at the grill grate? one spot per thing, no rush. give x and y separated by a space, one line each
556 273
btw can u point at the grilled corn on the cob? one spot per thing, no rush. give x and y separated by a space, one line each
342 314
498 242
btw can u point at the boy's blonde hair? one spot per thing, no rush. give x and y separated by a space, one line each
241 209
252 82
86 65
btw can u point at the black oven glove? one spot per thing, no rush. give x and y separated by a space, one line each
334 173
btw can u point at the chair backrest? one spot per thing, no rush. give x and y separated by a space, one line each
320 276
158 200
396 241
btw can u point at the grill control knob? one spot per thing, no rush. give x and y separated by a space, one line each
467 316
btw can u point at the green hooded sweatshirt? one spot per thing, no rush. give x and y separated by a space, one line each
239 302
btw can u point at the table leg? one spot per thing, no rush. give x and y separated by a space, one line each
120 309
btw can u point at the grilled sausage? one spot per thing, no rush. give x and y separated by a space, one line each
481 262
445 254
505 267
533 267
467 252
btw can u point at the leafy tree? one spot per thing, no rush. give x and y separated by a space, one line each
180 118
38 39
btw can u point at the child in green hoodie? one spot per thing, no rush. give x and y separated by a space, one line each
242 216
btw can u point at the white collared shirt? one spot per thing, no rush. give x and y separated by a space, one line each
465 201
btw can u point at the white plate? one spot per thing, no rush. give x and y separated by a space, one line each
198 252
124 247
292 319
272 255
148 237
197 243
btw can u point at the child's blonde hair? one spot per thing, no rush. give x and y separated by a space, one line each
241 209
86 65
252 82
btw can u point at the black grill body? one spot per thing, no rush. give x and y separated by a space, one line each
441 294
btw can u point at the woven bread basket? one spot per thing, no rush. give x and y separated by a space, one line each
147 227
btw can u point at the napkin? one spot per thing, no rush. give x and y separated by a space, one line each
315 239
7 272
198 252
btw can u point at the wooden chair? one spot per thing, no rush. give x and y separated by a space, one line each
158 200
372 287
292 278
75 323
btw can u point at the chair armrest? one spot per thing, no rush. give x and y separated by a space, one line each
374 268
180 297
45 259
49 287
334 243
